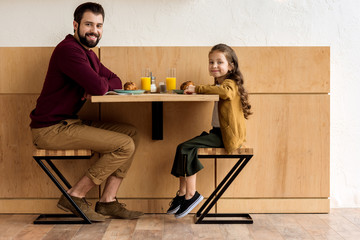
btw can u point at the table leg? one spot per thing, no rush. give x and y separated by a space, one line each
157 120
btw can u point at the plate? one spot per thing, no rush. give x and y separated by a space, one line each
178 91
140 91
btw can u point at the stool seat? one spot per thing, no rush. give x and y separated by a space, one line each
222 151
61 153
244 154
46 155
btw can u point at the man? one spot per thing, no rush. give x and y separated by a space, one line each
75 74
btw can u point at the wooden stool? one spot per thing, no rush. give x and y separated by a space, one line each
42 154
244 155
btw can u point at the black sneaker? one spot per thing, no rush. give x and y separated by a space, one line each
175 204
189 205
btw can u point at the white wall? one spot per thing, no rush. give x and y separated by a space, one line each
334 23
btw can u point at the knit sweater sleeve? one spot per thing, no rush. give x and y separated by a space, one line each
74 63
114 81
226 91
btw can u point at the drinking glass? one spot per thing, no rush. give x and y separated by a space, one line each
171 79
145 79
162 87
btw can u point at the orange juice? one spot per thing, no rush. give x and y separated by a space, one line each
145 83
170 83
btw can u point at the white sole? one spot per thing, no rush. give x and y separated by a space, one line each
191 207
174 210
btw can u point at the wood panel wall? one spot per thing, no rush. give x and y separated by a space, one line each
266 69
22 72
289 130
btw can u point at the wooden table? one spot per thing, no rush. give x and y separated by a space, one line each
157 100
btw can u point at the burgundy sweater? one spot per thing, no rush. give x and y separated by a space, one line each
73 70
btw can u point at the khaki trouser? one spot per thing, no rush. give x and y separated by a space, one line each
114 141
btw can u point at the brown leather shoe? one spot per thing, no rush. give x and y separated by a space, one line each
116 210
65 205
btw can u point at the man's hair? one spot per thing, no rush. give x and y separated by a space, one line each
88 6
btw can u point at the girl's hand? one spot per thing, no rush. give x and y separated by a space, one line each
190 89
86 97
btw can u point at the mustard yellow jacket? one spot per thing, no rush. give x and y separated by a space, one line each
231 116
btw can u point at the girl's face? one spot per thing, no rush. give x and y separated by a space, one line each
218 66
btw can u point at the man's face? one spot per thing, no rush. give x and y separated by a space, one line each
89 31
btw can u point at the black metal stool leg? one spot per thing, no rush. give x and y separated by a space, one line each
213 194
63 179
47 218
214 197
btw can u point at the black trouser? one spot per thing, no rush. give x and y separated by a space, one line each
186 162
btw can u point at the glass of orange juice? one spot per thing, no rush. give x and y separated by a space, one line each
171 80
145 79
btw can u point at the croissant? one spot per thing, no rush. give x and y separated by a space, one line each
130 86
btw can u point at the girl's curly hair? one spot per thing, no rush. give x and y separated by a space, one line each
235 75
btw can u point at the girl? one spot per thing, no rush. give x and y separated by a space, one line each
228 121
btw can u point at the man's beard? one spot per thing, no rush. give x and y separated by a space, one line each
84 41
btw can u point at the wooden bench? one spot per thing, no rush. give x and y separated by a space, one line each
244 154
41 155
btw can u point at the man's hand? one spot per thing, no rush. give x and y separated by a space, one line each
86 97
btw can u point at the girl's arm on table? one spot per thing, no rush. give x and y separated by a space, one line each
227 90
